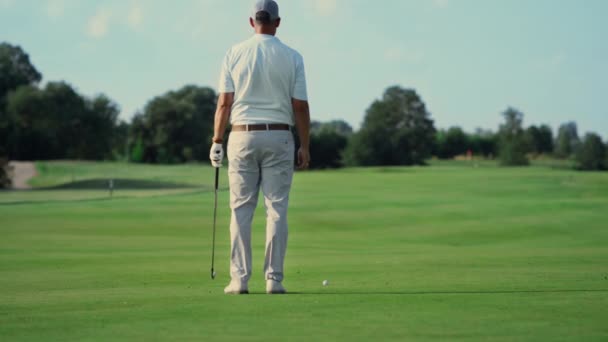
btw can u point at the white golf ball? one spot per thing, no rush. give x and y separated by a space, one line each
325 282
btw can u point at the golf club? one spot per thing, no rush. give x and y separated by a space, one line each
217 177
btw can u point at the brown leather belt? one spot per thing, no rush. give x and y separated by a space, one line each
260 127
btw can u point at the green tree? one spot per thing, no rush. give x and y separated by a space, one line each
539 139
544 142
606 159
397 130
451 143
33 133
137 151
484 143
327 146
72 117
100 121
592 153
120 139
50 123
531 135
337 126
56 122
175 127
5 180
15 70
512 143
567 140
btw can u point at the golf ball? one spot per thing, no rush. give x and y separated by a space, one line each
325 282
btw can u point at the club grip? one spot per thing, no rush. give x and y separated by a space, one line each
217 177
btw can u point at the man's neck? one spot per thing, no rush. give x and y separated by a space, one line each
266 31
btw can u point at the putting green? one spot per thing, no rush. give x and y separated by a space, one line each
442 252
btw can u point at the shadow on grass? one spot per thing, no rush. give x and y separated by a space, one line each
186 192
395 169
119 188
118 184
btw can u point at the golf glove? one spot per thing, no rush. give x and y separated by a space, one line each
216 155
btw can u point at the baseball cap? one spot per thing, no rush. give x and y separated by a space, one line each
269 6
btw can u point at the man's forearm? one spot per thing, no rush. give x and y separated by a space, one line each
302 118
222 114
221 121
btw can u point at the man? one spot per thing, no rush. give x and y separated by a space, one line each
263 92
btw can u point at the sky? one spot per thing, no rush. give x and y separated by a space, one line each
468 59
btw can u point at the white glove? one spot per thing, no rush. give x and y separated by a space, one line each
216 155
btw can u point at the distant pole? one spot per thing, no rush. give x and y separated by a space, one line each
111 187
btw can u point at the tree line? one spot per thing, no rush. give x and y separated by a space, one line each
50 122
56 122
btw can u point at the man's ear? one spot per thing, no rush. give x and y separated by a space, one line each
278 22
251 22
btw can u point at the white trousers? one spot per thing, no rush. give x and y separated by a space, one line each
259 160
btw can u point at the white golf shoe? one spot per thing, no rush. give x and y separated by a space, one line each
236 288
274 287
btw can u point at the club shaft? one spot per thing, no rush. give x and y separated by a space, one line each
217 177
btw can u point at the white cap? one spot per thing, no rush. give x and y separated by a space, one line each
269 6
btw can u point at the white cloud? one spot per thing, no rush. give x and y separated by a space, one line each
325 7
55 8
136 15
98 23
6 3
441 4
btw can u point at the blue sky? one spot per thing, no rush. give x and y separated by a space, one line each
468 59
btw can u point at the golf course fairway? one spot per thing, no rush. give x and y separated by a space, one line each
444 252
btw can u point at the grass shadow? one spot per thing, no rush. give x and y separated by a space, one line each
118 195
118 184
102 199
394 169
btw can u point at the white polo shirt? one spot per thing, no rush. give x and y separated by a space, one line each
264 75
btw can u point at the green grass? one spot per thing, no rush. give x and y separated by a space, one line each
443 252
77 181
62 172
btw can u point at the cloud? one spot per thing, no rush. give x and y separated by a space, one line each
98 23
325 7
136 15
441 4
55 8
6 3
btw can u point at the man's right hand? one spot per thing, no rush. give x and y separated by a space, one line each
216 155
303 158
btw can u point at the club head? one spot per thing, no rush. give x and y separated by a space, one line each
212 274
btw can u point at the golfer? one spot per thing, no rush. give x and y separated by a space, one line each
262 90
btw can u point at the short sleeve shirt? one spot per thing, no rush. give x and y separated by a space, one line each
265 75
